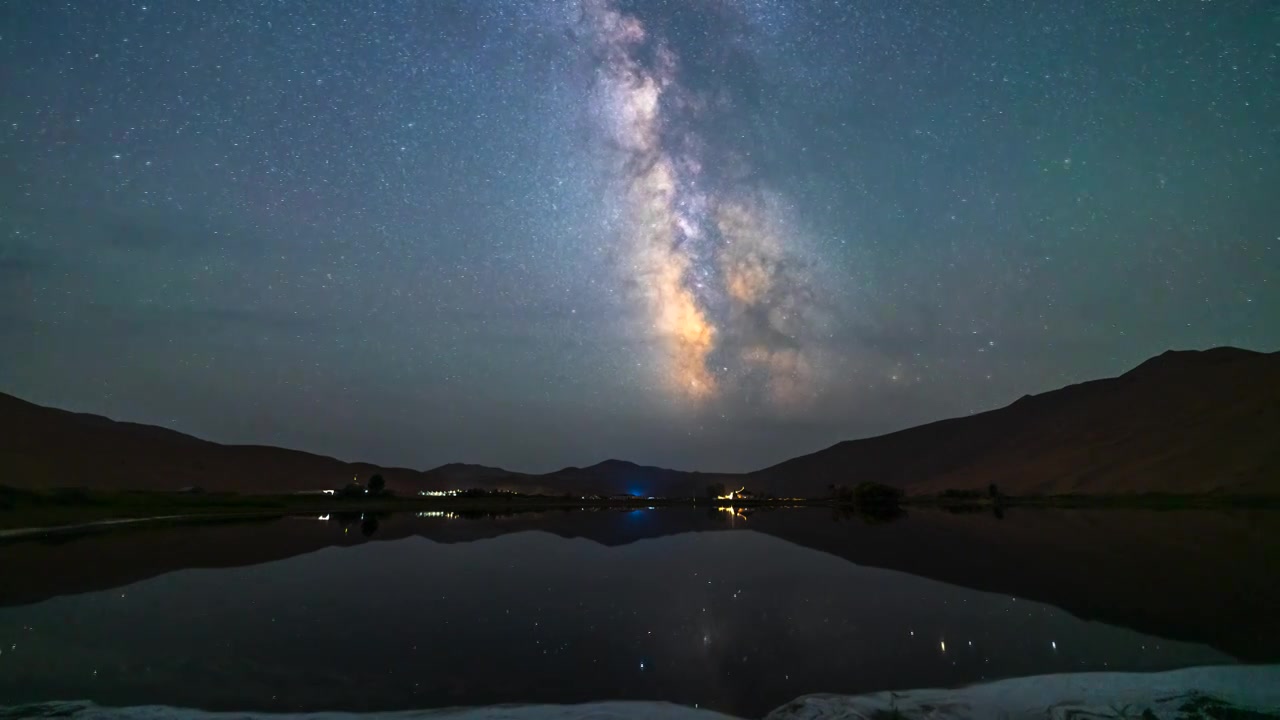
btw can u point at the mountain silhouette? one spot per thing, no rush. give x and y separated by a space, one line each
1182 422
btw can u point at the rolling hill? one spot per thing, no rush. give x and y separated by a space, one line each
46 447
1184 422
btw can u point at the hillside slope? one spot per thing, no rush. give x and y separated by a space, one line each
42 447
1182 422
47 447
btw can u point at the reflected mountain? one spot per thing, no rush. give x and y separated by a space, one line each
737 620
1171 574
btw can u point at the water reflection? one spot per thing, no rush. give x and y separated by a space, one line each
732 514
576 606
871 515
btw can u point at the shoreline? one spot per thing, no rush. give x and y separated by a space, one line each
49 516
1243 691
85 528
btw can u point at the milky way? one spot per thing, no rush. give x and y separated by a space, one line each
713 268
706 234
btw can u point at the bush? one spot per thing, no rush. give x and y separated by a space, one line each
873 494
352 490
9 496
71 496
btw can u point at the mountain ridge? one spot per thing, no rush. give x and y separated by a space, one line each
1158 397
1188 421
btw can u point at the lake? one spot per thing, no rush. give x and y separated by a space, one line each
734 611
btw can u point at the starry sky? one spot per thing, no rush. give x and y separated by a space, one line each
707 234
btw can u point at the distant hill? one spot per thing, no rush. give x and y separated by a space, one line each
47 447
611 477
1183 422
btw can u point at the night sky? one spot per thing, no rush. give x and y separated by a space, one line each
708 234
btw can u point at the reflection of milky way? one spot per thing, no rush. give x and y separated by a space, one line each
722 303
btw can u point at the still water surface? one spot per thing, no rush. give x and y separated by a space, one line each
735 613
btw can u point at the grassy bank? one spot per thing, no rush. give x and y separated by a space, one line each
21 508
1151 501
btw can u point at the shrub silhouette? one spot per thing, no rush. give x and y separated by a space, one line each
874 494
957 494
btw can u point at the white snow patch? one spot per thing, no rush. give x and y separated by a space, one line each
1072 695
1176 695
